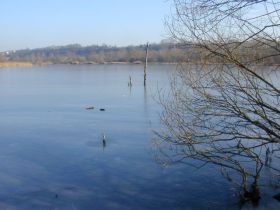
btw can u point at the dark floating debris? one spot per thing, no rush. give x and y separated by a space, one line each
89 107
277 197
102 110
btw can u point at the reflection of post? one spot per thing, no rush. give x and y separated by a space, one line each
145 100
130 81
146 62
146 108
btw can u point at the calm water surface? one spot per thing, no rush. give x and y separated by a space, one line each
51 150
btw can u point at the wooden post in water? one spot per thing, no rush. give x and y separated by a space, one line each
146 63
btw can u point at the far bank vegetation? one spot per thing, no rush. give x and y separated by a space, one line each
76 54
158 53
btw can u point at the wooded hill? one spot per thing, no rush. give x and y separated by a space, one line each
160 53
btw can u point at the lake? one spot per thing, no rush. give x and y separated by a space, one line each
52 155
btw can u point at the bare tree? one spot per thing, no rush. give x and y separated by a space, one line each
224 106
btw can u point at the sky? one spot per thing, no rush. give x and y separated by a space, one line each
40 23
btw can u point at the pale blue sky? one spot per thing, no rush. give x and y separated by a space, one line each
40 23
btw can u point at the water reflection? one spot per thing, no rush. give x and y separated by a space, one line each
217 121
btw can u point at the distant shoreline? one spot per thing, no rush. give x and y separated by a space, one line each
14 64
113 62
23 64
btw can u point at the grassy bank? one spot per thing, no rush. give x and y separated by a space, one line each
15 64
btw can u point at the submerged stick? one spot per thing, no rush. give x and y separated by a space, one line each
104 141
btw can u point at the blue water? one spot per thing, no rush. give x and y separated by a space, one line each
51 150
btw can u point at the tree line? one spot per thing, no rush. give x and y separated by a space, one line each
186 52
160 53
